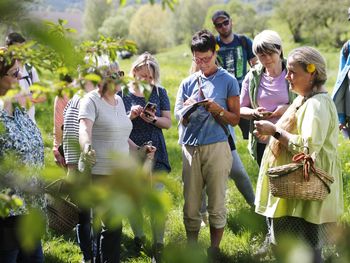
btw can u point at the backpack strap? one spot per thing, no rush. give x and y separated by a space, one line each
243 41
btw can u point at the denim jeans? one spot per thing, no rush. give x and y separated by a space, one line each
10 249
19 256
109 245
85 237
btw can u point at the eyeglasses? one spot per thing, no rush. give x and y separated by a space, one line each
202 60
223 23
13 74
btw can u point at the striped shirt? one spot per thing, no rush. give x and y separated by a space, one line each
59 105
71 130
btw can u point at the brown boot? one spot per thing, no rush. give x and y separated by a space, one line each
216 236
192 236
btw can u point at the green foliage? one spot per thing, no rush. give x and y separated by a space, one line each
151 28
8 203
188 18
31 228
316 21
94 14
10 10
116 25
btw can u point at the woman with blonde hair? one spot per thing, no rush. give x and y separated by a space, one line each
310 121
149 117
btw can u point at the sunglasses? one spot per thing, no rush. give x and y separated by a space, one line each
13 74
117 75
203 60
224 23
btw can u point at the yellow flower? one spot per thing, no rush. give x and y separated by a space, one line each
217 47
311 68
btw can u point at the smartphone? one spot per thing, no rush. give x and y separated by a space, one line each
150 107
266 113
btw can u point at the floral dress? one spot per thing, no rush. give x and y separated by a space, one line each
20 138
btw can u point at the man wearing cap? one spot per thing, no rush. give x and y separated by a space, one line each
341 91
234 54
235 50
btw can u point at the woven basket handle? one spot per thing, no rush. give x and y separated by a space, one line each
55 191
308 164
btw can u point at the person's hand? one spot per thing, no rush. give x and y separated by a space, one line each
342 126
261 113
212 107
264 128
279 111
59 159
148 116
149 150
189 101
90 157
135 111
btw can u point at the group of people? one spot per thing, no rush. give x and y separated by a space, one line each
288 108
280 104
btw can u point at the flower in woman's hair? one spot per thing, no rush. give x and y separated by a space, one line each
311 68
217 47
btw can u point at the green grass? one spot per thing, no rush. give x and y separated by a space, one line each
244 231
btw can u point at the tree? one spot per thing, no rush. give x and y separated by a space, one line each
94 14
189 17
252 26
294 14
317 21
150 28
116 25
325 22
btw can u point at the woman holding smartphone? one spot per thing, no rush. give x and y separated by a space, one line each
265 92
149 117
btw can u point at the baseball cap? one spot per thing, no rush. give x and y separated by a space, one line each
220 13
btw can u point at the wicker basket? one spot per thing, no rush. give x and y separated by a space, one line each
62 214
290 182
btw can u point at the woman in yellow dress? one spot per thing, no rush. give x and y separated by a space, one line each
310 121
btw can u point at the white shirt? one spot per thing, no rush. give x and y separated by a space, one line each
25 84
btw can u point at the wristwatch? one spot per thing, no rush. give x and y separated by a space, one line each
277 134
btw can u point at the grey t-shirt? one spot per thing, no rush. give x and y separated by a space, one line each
110 131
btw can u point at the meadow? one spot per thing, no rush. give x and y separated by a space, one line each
245 230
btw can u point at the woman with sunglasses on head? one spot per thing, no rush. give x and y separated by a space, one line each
149 117
71 151
206 152
20 139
